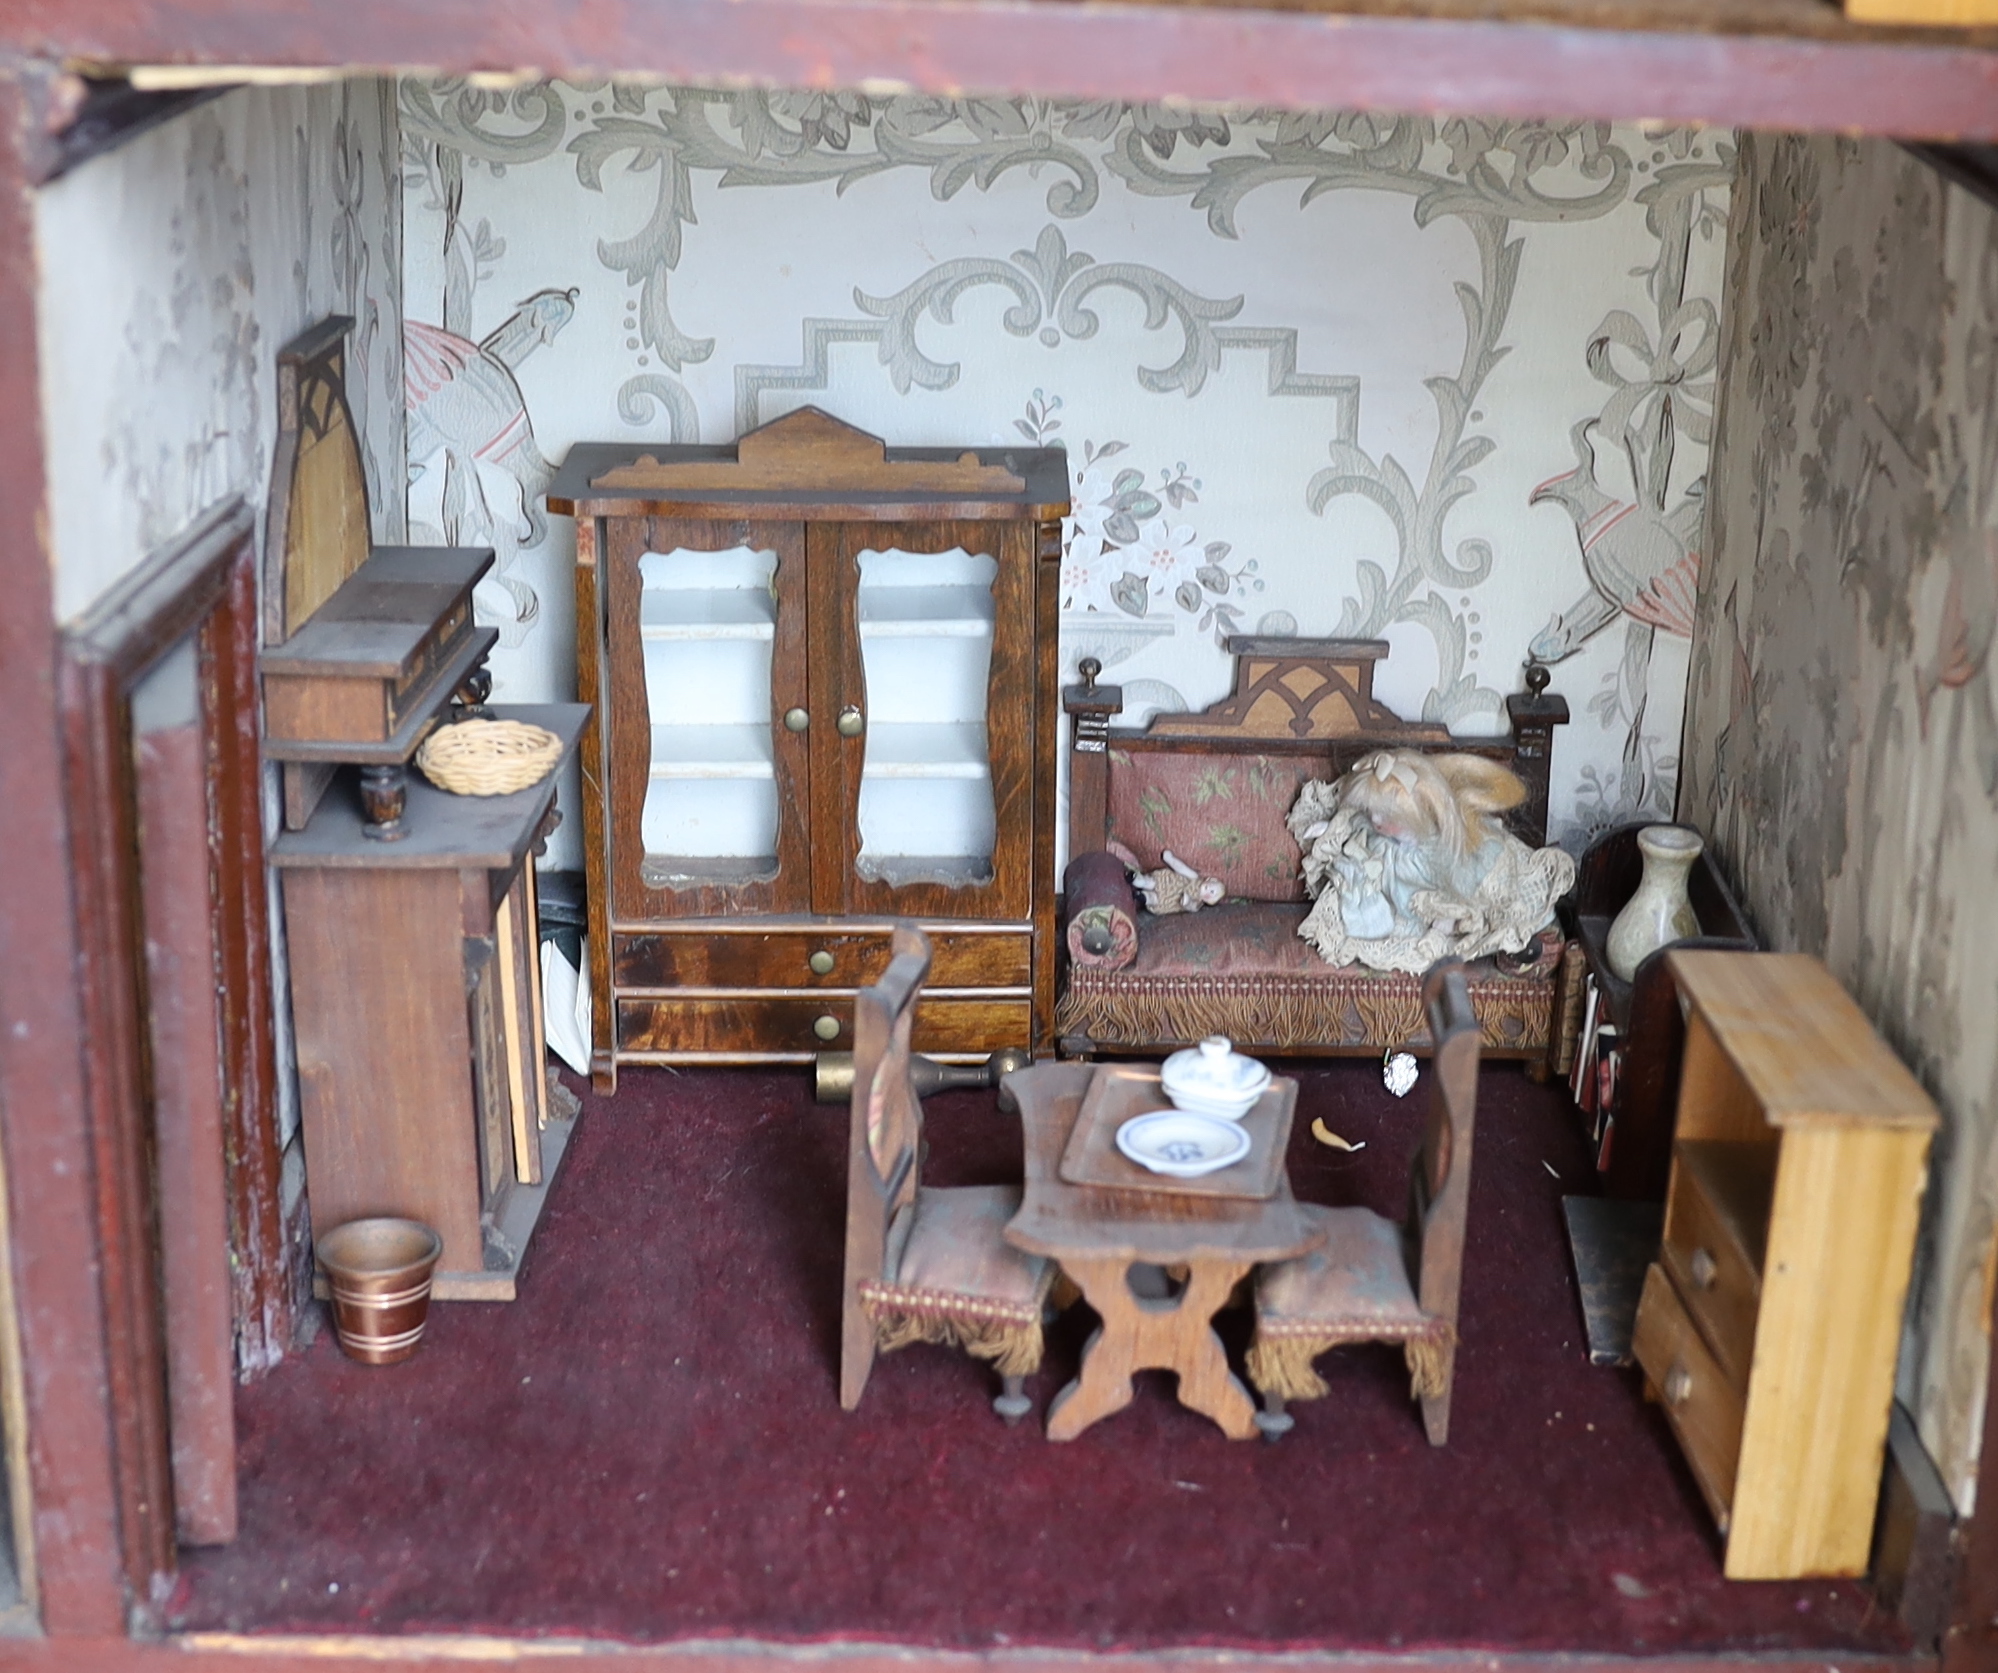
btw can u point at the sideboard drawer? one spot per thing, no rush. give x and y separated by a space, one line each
769 1023
847 958
1701 1402
1715 1229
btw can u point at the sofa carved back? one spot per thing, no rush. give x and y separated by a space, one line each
1215 786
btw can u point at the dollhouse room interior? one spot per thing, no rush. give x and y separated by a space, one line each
870 502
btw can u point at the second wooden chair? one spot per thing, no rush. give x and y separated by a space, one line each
924 1265
1373 1280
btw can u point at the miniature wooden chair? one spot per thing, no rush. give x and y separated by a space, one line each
924 1265
1373 1280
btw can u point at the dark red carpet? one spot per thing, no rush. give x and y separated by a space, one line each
648 1444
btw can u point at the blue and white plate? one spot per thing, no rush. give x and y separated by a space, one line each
1181 1145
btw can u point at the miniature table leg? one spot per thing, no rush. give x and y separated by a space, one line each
1142 1334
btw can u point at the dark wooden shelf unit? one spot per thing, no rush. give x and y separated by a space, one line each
1645 1009
416 1007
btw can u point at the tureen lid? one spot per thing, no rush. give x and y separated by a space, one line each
1214 1066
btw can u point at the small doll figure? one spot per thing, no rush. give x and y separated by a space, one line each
1174 887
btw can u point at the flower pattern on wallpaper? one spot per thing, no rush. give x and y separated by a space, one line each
1152 571
1127 552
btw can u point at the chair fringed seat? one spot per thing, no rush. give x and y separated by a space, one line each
1376 1280
957 1283
924 1265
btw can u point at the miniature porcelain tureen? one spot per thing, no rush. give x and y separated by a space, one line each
1214 1079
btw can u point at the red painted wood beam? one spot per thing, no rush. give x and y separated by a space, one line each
1824 75
50 1175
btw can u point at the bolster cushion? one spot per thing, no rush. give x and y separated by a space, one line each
1102 912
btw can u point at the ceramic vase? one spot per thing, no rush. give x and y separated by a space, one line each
1660 912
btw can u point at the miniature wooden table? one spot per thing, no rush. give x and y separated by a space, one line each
1108 1241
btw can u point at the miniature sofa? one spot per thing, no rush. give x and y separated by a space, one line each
1214 788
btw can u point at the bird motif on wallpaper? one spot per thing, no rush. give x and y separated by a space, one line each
1640 561
463 398
1956 634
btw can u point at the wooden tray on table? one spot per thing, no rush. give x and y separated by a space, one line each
1117 1095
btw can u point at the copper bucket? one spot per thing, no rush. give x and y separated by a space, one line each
379 1273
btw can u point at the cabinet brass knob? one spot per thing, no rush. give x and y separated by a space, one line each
796 720
827 1028
1704 1271
1678 1386
851 723
821 963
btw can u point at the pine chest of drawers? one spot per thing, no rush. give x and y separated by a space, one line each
1770 1322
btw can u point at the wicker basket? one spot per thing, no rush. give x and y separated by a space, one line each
488 757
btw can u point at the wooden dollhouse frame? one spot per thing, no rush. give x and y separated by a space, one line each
1765 63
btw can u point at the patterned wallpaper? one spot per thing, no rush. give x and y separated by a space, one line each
1842 735
1444 383
176 267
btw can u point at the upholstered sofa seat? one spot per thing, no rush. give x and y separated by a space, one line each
1241 969
1213 789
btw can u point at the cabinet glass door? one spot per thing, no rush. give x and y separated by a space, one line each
710 688
931 707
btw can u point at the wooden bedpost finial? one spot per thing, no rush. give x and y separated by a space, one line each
1089 668
1537 675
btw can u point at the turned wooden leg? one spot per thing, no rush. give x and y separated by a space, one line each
1012 1403
384 793
1273 1420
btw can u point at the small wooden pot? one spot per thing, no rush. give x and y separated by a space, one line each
379 1272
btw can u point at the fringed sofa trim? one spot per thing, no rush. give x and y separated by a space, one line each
1281 1353
1368 1012
1006 1333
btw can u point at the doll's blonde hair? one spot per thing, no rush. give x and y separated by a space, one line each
1451 799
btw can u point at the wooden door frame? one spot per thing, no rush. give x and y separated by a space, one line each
203 586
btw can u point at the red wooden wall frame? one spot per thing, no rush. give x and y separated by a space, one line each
1607 60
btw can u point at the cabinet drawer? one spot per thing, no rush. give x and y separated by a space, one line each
1703 1406
783 959
759 1023
1715 1230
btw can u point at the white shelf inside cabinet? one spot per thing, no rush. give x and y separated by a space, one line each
927 750
706 613
739 751
941 612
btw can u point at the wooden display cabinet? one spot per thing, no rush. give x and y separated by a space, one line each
1770 1322
416 1004
824 673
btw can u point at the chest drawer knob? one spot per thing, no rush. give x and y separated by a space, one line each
1702 1270
851 722
1678 1387
826 1028
796 720
821 963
